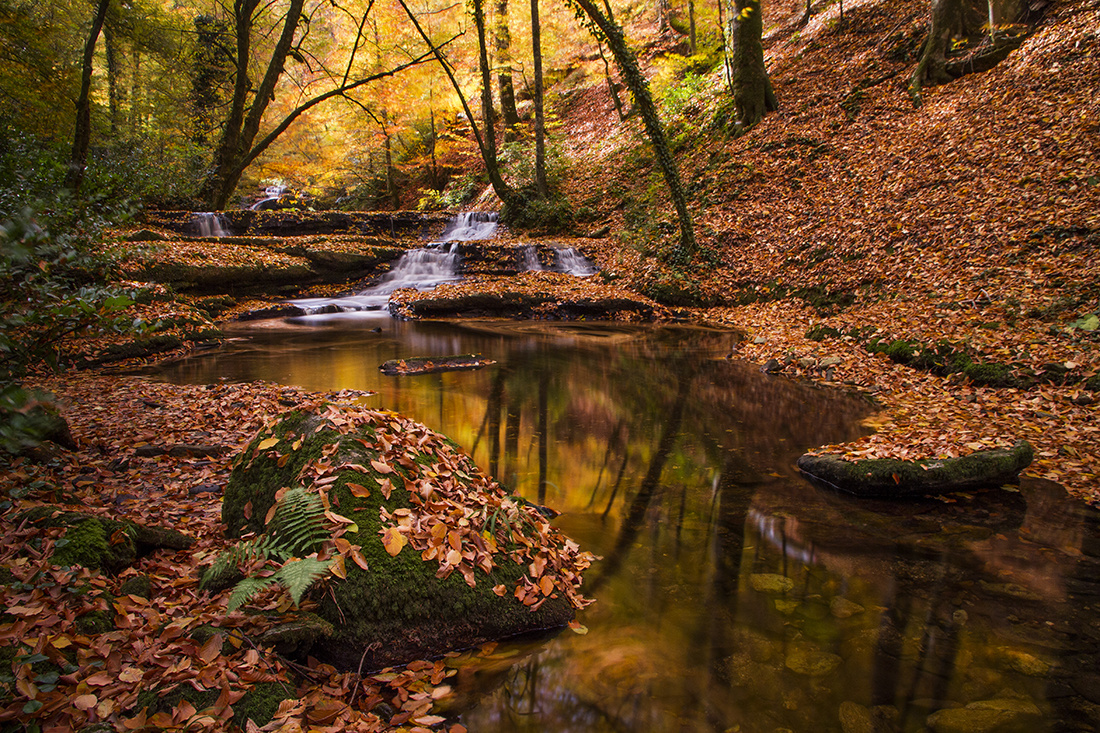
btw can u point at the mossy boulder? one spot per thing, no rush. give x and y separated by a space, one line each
452 560
890 478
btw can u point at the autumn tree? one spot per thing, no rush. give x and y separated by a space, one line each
608 30
752 89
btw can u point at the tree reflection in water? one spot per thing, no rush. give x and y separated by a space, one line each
733 595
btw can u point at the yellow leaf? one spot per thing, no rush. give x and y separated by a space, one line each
393 541
338 568
268 443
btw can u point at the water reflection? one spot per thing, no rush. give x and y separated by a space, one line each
732 595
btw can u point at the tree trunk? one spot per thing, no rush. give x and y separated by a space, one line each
691 26
643 101
503 191
946 23
488 116
752 89
663 11
82 136
241 129
805 15
541 184
503 38
114 88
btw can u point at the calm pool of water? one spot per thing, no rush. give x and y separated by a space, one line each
732 595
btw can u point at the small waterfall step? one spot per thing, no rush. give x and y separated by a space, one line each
210 224
469 226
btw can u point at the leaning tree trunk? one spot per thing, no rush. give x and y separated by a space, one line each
643 101
503 38
947 22
82 137
752 89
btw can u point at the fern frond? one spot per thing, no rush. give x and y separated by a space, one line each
242 553
298 575
298 525
247 589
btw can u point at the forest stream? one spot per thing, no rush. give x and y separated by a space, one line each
731 594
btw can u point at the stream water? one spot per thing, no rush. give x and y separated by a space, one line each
731 595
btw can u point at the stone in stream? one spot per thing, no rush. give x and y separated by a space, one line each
452 560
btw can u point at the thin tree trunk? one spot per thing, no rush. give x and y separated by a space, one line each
82 136
503 38
503 191
691 26
136 102
488 116
752 89
113 86
639 87
805 15
725 46
541 184
615 100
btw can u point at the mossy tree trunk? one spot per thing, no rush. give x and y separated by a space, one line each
946 23
752 89
612 32
82 137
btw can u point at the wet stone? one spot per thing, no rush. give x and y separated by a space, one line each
843 608
771 583
812 662
985 716
855 718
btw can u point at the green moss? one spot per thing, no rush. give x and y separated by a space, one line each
821 332
96 622
259 703
1093 383
990 375
139 585
85 545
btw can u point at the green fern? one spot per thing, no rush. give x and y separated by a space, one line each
247 589
298 575
298 525
296 529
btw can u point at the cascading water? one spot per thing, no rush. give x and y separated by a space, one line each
471 225
272 194
211 224
572 262
529 258
422 268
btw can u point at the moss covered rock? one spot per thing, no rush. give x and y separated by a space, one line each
884 477
452 560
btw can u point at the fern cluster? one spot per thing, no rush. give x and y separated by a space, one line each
296 530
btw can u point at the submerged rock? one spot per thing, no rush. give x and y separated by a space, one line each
451 560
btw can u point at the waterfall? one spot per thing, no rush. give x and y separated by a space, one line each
572 262
470 225
272 194
422 269
210 224
529 258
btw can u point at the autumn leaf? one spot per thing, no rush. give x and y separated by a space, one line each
381 467
358 490
268 443
393 541
338 568
85 702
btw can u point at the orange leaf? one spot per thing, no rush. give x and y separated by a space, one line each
211 649
546 585
358 490
393 541
359 559
381 467
338 568
385 487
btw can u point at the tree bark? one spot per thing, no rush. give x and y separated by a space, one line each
643 101
82 136
752 89
488 116
946 22
114 95
503 39
542 186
